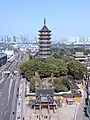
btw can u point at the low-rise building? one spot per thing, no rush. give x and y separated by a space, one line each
3 59
9 53
79 56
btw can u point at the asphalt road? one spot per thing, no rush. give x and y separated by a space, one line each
80 112
2 84
4 99
6 96
7 111
14 100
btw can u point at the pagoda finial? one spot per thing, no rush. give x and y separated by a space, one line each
44 21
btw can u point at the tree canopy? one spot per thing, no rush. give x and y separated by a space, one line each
45 67
61 84
58 67
76 69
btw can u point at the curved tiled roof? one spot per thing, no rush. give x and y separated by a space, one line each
45 29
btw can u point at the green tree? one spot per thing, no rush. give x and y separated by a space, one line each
76 69
45 67
61 84
62 52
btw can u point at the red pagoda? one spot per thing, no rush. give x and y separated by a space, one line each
44 42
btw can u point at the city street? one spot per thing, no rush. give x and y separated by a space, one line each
8 111
5 100
8 91
14 99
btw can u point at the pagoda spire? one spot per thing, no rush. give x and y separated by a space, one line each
44 22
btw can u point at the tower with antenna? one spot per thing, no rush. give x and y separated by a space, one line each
44 42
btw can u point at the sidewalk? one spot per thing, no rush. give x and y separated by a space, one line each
27 112
20 101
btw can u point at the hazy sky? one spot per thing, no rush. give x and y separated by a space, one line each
64 17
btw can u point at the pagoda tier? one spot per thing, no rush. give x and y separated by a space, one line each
44 38
44 42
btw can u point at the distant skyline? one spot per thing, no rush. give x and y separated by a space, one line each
65 18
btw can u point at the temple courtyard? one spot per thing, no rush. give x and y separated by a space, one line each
67 112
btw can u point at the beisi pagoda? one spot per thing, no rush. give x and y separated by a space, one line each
44 42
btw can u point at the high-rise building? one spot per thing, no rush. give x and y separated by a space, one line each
14 38
44 42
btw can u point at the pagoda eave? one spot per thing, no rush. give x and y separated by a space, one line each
45 38
44 34
45 31
44 43
45 54
47 46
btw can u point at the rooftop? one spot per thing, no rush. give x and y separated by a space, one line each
2 54
79 54
67 95
42 91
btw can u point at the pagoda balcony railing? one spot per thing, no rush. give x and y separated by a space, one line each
44 49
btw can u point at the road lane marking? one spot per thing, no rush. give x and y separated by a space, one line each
4 86
10 86
5 113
